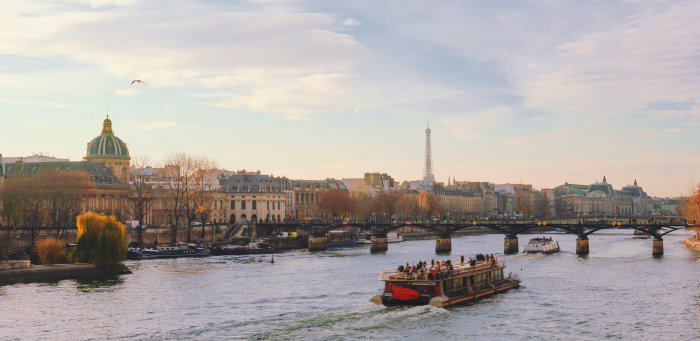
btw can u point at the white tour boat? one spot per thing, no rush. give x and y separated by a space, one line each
544 245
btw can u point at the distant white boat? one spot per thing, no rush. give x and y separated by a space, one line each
544 245
391 237
394 237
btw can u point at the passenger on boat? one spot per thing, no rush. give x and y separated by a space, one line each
461 259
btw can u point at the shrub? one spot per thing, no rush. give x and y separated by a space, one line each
101 240
240 240
51 251
135 245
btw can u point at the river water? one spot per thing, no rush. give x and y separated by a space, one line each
619 291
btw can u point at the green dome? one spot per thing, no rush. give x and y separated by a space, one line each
107 145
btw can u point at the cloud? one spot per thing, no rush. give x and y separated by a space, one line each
647 62
535 139
181 51
350 22
126 92
479 124
295 98
37 103
162 125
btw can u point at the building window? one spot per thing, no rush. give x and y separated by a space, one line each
233 204
268 205
255 204
243 204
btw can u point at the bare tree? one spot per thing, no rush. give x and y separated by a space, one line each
32 205
385 204
141 194
176 176
334 202
204 178
12 201
63 192
408 206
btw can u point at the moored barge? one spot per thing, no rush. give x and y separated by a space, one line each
179 250
465 282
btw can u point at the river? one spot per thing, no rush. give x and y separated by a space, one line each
619 291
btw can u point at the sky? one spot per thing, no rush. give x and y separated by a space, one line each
536 92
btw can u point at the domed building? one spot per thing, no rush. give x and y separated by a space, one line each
110 150
600 189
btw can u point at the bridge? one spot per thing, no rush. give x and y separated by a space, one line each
583 228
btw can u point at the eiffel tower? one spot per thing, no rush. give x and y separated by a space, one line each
428 171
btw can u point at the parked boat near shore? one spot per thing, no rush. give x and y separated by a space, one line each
253 248
340 238
179 250
394 237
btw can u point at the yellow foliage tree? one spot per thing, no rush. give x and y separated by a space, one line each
101 240
692 211
51 251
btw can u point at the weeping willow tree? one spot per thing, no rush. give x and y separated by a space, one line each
101 241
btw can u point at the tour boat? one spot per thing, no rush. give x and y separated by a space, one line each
340 238
179 250
464 283
544 245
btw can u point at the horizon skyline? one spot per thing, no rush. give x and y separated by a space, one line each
516 92
158 163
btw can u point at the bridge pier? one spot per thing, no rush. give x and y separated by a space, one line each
657 247
443 244
582 245
510 244
378 244
318 243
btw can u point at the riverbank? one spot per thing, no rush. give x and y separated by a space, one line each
692 243
54 273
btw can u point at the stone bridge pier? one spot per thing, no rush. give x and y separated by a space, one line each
443 244
318 243
657 247
582 245
378 243
510 244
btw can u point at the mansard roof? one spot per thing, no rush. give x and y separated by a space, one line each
98 172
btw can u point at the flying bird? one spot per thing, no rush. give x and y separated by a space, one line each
138 81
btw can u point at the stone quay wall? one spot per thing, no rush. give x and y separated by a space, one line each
19 239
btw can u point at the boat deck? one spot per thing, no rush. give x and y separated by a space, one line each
460 269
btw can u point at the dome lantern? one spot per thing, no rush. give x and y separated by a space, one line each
107 126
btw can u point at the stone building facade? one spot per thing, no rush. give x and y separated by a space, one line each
600 199
249 197
307 193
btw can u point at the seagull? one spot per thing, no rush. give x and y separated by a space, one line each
138 81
